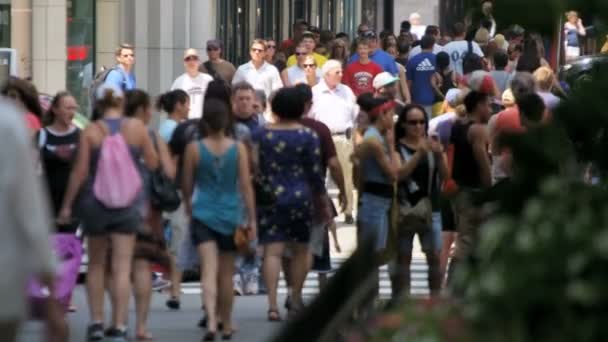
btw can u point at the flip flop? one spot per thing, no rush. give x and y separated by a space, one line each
274 315
144 337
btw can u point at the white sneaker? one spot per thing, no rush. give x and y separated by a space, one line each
237 285
252 284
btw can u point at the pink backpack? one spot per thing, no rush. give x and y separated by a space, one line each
118 181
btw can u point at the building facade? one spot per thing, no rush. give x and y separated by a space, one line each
61 44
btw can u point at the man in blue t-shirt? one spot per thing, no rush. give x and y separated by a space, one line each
420 71
378 56
122 75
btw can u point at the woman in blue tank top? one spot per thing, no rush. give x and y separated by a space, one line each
218 167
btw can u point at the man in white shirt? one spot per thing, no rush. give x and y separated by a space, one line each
459 47
334 104
431 30
257 72
193 82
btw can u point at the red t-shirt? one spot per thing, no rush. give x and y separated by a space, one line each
360 77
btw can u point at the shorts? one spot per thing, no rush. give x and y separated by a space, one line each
202 233
430 240
447 216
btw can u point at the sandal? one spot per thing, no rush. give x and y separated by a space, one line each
274 315
209 336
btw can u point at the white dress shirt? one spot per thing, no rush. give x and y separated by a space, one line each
24 215
266 78
336 108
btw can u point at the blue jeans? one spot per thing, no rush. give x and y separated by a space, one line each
430 240
373 219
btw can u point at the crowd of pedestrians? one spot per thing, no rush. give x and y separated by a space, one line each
415 117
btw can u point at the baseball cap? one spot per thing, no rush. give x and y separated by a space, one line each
191 53
481 81
384 79
214 44
453 97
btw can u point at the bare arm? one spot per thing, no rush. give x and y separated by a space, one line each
149 152
190 161
405 90
166 161
247 189
335 170
285 78
581 28
478 136
79 172
387 163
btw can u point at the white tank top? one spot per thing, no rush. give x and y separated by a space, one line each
296 75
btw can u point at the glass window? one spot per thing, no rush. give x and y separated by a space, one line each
5 25
233 29
269 19
80 49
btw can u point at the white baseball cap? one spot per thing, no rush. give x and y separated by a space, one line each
384 79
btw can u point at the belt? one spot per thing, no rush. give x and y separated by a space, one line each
346 133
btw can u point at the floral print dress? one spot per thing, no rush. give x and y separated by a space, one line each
290 161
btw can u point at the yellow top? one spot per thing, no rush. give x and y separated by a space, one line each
319 59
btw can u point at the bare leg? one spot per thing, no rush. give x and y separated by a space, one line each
209 272
176 279
446 251
142 283
97 248
273 253
299 269
122 255
226 293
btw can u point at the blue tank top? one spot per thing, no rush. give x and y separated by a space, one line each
371 169
218 202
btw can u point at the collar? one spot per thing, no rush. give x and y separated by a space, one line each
324 88
252 66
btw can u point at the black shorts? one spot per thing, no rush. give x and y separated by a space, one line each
202 233
447 215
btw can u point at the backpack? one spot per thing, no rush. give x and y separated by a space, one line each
117 181
471 60
99 80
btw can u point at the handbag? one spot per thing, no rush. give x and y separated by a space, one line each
422 212
163 191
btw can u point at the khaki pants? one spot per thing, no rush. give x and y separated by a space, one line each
344 150
468 221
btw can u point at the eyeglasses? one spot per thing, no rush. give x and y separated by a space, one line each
191 58
306 66
416 122
257 50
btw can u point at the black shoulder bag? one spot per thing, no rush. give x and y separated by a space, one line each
163 190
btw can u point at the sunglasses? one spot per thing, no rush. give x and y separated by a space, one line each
129 55
300 53
272 47
191 58
306 66
257 50
416 122
212 49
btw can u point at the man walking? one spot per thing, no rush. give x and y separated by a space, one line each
217 67
121 76
334 104
459 47
377 55
359 75
420 71
193 82
257 72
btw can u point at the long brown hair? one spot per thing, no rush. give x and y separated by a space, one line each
50 116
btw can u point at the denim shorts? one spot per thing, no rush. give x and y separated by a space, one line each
373 219
430 240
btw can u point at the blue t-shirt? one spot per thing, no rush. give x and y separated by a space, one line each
166 129
380 57
119 78
420 69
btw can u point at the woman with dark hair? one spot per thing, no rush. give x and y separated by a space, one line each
149 246
26 95
272 55
176 103
375 168
105 228
389 40
530 58
289 161
418 197
218 167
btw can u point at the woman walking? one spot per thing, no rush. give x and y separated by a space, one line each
418 196
218 168
289 159
103 227
149 246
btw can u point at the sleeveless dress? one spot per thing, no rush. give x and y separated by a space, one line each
217 209
96 218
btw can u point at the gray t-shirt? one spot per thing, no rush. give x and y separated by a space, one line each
501 78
